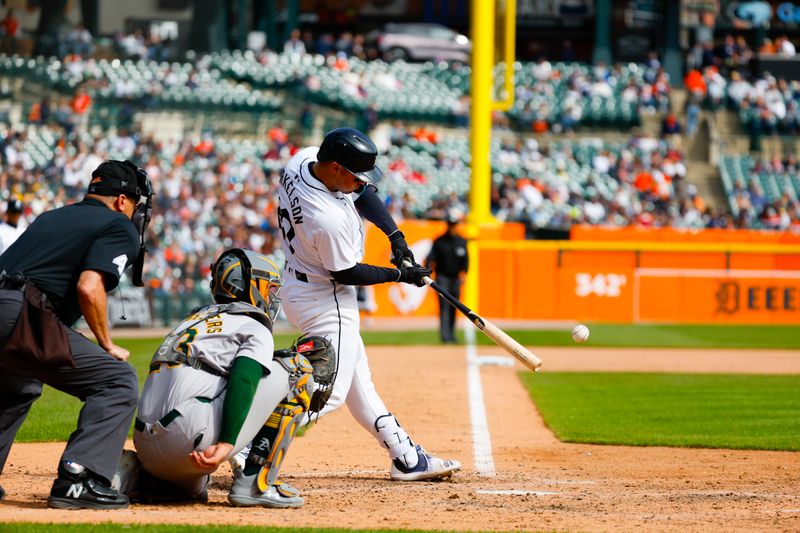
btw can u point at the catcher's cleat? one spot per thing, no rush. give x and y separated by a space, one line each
427 467
82 491
126 476
279 495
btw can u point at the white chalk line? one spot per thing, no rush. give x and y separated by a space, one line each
341 473
481 439
516 492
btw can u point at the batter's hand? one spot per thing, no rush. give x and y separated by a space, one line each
414 275
118 352
400 249
211 457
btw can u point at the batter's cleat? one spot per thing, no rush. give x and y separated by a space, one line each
245 493
427 467
82 491
126 477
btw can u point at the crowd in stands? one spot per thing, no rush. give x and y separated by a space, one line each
212 194
766 104
763 192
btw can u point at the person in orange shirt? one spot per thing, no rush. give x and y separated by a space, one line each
9 27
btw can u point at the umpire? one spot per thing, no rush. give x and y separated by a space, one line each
449 261
58 270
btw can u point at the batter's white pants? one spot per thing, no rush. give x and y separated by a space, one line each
331 310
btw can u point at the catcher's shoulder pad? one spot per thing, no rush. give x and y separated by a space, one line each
244 308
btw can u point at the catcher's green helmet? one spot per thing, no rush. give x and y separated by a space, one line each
246 276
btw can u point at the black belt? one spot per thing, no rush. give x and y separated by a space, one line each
301 276
165 420
200 365
168 418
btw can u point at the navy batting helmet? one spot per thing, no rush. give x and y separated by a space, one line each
353 150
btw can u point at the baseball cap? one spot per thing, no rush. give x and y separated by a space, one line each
353 150
115 177
14 206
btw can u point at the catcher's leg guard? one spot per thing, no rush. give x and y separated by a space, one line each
272 441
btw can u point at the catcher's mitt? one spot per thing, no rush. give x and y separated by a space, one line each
320 353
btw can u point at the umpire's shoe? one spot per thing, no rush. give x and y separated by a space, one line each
83 491
427 467
245 493
2 493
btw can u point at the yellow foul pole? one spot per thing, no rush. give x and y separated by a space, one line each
482 15
482 21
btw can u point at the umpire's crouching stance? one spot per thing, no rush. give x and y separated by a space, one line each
57 271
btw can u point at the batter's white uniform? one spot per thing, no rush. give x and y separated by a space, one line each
181 407
324 233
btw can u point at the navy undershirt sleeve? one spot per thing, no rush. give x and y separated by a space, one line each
363 274
371 207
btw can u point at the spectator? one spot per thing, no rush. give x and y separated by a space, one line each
11 228
9 29
670 125
294 46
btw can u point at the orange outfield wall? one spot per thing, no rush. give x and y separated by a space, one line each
705 281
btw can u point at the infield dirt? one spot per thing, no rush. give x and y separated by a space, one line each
548 485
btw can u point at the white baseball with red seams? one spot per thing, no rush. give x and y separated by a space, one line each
580 333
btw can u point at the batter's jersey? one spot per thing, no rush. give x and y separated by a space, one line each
322 231
217 341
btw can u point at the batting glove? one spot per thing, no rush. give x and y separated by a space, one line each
414 275
400 249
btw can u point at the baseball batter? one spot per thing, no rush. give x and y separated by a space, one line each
322 193
214 386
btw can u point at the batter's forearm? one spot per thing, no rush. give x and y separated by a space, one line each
363 274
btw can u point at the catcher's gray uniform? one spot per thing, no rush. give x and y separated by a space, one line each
181 406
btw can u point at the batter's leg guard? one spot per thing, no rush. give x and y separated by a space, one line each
272 442
395 439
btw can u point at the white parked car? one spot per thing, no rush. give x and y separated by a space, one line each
420 42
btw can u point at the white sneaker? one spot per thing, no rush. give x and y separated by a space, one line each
245 493
427 467
126 476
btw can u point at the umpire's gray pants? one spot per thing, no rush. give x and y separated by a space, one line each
108 388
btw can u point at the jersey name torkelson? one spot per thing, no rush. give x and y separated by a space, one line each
289 185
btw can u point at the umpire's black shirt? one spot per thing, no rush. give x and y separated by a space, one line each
60 244
449 253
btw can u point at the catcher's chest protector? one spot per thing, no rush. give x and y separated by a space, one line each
173 349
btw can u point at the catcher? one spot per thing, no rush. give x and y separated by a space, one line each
215 386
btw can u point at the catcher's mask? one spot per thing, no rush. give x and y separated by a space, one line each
123 177
246 276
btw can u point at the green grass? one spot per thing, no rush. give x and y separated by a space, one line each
625 335
53 417
687 410
26 527
666 336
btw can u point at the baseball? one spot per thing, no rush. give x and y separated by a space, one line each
580 333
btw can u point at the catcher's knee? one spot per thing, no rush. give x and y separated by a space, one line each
311 364
272 442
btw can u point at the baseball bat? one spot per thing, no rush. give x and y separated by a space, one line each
500 337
